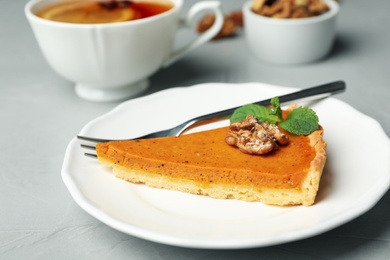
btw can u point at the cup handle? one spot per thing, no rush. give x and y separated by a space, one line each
205 36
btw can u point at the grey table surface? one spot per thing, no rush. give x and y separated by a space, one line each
40 114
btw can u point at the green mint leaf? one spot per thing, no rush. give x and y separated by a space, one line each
300 121
276 110
260 112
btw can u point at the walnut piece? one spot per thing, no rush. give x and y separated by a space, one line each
232 22
255 137
289 8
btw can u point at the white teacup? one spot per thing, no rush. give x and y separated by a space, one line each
290 41
113 61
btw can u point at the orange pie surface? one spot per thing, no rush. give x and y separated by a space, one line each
202 163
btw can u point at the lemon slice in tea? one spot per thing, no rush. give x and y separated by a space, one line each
88 13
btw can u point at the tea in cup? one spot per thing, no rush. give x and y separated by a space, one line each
110 48
91 12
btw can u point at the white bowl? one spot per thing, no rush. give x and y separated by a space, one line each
290 41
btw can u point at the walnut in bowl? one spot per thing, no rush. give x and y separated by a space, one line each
280 39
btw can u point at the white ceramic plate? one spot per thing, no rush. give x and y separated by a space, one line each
356 176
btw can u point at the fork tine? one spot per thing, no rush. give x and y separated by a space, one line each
90 147
91 139
91 155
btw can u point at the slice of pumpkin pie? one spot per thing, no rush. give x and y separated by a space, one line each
226 163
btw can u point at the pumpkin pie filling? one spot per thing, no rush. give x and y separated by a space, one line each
204 163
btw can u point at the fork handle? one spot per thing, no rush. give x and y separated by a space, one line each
308 94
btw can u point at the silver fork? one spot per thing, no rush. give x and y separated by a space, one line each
307 94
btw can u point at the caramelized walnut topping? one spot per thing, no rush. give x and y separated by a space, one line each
255 137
